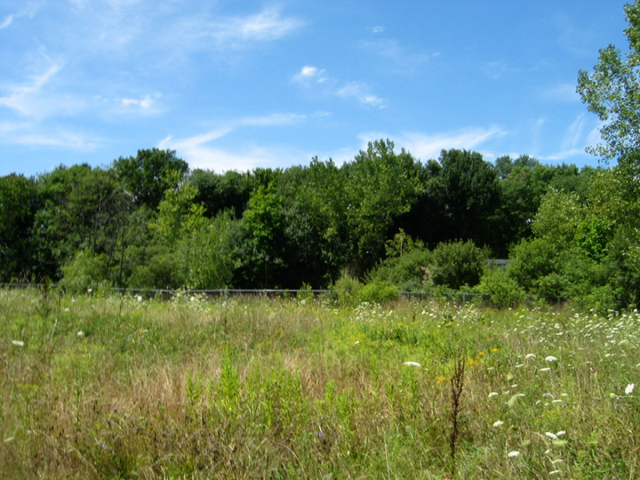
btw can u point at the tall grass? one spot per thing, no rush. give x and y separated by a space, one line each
111 387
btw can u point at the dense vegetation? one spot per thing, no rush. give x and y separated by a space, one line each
119 388
148 221
383 218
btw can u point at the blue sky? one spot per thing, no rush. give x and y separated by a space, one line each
239 85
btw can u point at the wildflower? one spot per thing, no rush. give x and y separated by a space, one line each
498 423
412 364
139 298
560 433
551 435
551 358
80 334
481 354
357 342
529 355
17 343
513 454
545 369
629 388
493 394
495 350
441 379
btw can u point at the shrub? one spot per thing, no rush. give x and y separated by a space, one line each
84 271
505 291
346 290
457 263
379 291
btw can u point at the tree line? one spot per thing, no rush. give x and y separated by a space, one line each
148 221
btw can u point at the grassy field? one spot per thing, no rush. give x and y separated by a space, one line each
112 387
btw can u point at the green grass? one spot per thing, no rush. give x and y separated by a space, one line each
109 387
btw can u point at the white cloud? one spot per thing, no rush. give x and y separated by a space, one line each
143 104
29 10
564 92
394 53
199 153
308 72
428 146
575 140
267 25
8 20
359 91
362 93
31 135
24 99
377 29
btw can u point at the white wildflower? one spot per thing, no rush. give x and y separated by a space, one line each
629 388
551 358
412 364
17 343
139 298
498 423
493 394
545 369
513 454
551 435
560 433
80 334
530 355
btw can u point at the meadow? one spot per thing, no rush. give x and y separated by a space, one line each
120 387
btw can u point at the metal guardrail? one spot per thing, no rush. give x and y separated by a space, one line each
225 292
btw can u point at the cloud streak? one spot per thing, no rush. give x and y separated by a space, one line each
199 153
428 146
312 77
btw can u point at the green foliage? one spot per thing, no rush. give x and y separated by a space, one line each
18 206
178 215
532 260
346 290
457 263
159 269
558 217
207 255
612 92
150 174
406 265
504 290
85 271
378 291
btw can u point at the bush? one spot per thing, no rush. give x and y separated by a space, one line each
85 271
457 263
407 272
505 291
532 260
346 290
379 291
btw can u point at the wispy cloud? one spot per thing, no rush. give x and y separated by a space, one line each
200 153
405 60
24 98
36 135
30 10
238 31
428 146
361 92
313 77
575 139
564 92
